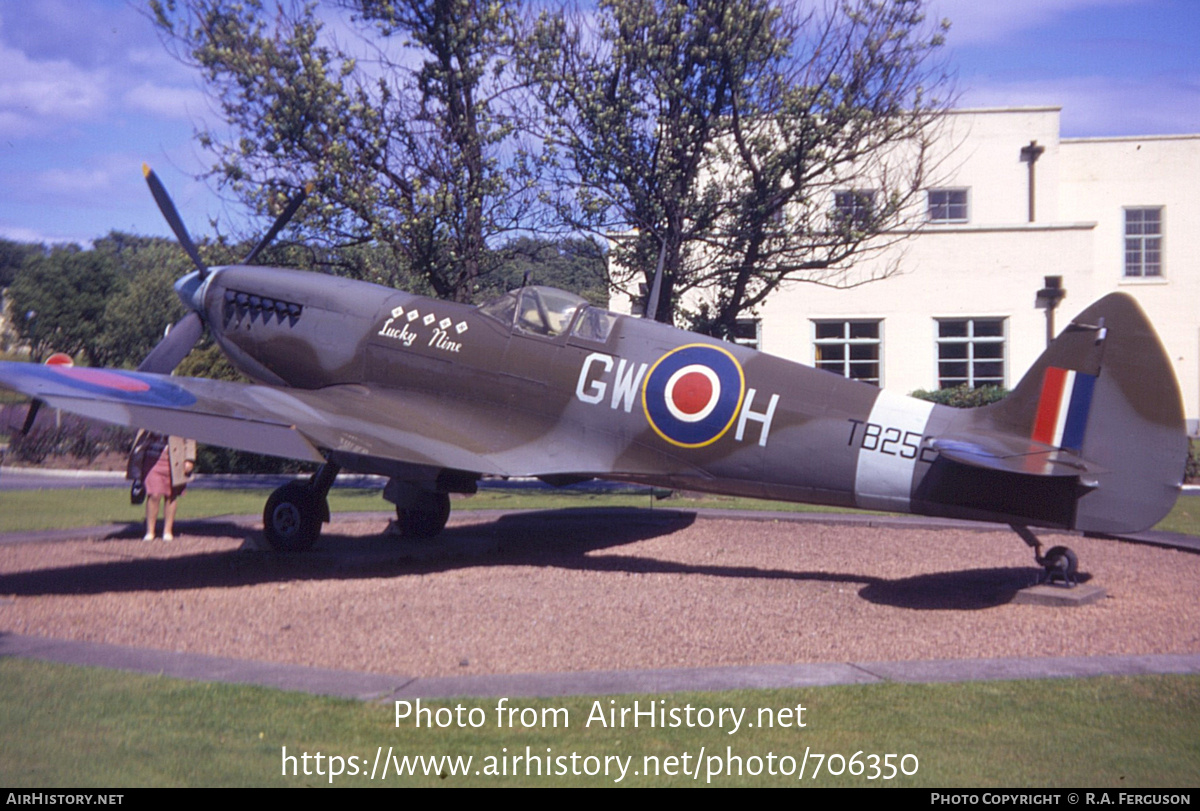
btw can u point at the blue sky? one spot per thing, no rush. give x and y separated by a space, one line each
88 92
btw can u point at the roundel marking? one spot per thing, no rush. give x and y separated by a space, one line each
129 386
105 379
692 394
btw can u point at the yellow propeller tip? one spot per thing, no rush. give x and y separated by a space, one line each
145 170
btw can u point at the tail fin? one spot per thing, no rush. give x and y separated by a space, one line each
1105 393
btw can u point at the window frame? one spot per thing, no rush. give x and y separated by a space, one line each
965 191
860 210
971 340
754 343
1138 268
846 342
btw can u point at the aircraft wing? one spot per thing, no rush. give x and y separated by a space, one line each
292 423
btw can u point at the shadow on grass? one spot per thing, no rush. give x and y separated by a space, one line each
566 539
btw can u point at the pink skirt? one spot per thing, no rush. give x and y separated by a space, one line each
158 480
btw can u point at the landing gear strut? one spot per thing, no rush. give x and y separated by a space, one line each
1060 563
294 513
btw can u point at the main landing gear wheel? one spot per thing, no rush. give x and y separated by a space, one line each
292 518
425 517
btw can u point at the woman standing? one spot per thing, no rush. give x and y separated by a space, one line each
164 465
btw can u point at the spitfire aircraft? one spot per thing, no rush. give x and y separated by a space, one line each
435 395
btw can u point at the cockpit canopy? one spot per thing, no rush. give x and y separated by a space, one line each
548 311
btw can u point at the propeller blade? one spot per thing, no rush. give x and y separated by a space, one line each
280 221
173 219
174 347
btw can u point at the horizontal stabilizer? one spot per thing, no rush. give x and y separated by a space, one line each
1012 455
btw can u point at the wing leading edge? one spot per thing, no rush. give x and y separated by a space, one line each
211 411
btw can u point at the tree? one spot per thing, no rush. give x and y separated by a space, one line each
410 145
573 264
13 255
144 304
57 301
707 136
109 303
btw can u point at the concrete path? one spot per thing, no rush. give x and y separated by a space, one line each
373 686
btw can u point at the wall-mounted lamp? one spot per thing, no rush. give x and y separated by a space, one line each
1048 299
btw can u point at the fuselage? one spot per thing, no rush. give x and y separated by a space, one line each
631 399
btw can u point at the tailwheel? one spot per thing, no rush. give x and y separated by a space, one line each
424 516
1059 563
293 516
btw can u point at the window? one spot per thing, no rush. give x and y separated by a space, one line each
848 348
594 324
971 352
855 209
947 205
748 332
538 310
545 310
1143 242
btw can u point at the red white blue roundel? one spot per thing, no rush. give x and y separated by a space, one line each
692 394
112 384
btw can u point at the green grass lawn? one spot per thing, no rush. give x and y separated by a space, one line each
63 726
1184 517
23 510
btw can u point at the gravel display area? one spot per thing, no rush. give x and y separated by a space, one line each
601 589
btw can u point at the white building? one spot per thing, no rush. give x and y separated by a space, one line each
1105 214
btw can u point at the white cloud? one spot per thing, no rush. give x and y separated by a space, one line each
63 62
104 179
75 182
102 191
166 102
1100 105
18 233
36 95
975 22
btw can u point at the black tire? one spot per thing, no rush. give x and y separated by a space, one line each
425 518
1061 561
292 518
